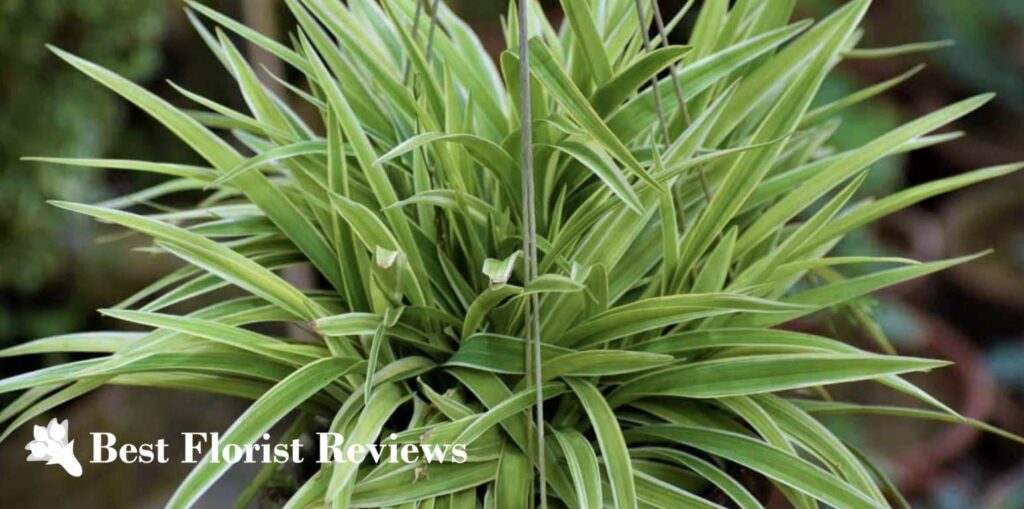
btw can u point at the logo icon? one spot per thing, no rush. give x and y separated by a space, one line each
50 444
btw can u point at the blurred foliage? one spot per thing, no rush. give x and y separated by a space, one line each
988 47
1005 360
49 108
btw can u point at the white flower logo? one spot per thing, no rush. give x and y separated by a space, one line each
50 444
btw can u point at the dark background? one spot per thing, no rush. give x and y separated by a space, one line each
56 269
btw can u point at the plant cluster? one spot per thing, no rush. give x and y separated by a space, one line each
686 204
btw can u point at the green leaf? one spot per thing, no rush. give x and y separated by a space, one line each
617 463
552 283
841 408
355 135
759 374
85 342
498 354
483 304
587 39
348 324
408 485
658 312
819 439
277 49
384 402
215 150
302 148
827 110
213 257
845 290
898 201
639 114
221 333
733 488
511 406
583 466
602 363
558 84
486 153
761 457
370 229
31 411
716 269
595 160
199 173
499 271
654 491
896 51
257 419
626 82
514 481
831 176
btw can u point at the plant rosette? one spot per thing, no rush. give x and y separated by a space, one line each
601 331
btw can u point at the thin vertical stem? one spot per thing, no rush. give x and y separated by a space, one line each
654 81
430 47
415 28
663 41
530 237
433 28
678 89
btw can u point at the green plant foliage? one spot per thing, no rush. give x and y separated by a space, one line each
666 263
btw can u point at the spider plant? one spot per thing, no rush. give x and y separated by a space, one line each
685 202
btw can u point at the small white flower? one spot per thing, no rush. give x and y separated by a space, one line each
51 445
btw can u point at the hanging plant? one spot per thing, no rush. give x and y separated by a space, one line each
601 222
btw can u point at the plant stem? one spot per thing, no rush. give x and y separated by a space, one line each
530 235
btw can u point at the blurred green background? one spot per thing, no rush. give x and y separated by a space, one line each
54 268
